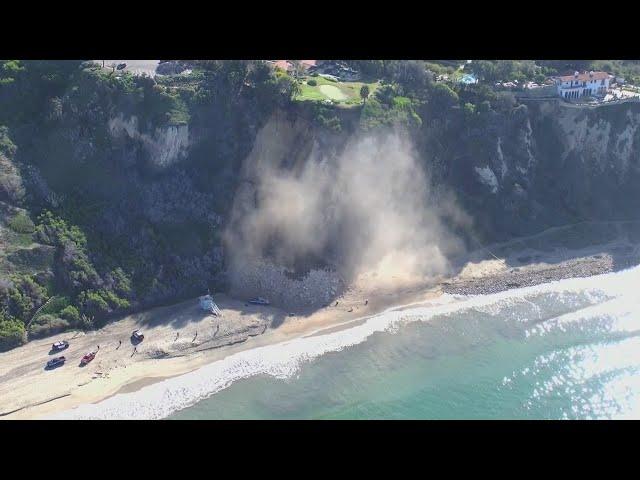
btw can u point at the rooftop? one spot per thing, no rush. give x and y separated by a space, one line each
283 64
584 76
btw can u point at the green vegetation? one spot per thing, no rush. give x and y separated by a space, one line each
12 333
326 117
95 223
99 246
343 94
629 69
507 70
364 93
47 324
21 223
386 108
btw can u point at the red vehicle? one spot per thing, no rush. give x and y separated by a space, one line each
87 358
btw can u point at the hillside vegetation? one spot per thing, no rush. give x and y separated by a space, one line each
115 189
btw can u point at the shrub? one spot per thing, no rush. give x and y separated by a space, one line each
312 82
504 101
25 297
12 333
469 109
86 323
71 314
46 325
484 107
55 305
21 223
93 304
443 98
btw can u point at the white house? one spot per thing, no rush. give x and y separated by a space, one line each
586 84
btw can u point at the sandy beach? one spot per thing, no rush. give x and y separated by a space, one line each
181 338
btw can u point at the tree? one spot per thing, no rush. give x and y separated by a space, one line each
385 94
296 67
484 107
364 93
469 110
295 90
443 98
71 314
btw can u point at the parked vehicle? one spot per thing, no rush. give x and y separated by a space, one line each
137 336
121 66
61 345
56 362
259 301
88 357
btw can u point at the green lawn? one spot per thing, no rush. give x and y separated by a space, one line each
349 91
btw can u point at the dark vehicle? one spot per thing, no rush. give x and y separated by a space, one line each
55 362
137 336
259 301
121 66
88 357
56 347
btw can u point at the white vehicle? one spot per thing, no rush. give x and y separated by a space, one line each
137 336
59 345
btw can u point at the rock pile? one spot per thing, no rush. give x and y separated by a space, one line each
315 289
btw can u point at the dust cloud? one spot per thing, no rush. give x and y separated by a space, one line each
371 209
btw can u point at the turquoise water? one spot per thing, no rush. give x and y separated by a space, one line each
565 350
548 355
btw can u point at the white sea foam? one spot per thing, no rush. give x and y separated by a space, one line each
283 360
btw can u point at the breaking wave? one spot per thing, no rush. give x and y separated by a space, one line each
608 300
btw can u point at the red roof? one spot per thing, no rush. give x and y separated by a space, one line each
308 63
283 64
585 76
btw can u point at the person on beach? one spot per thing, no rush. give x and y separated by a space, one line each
177 335
366 302
194 337
336 304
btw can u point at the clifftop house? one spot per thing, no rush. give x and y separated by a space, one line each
286 65
586 84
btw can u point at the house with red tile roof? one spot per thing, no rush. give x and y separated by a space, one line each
585 84
283 65
287 65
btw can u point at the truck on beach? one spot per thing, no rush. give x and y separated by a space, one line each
137 336
88 358
55 362
61 345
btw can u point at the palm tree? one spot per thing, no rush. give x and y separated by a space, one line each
364 93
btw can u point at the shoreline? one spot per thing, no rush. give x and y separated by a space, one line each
245 328
112 377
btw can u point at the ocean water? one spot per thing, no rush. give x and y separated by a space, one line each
564 350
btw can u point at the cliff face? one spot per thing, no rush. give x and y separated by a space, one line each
547 164
165 146
158 198
541 164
